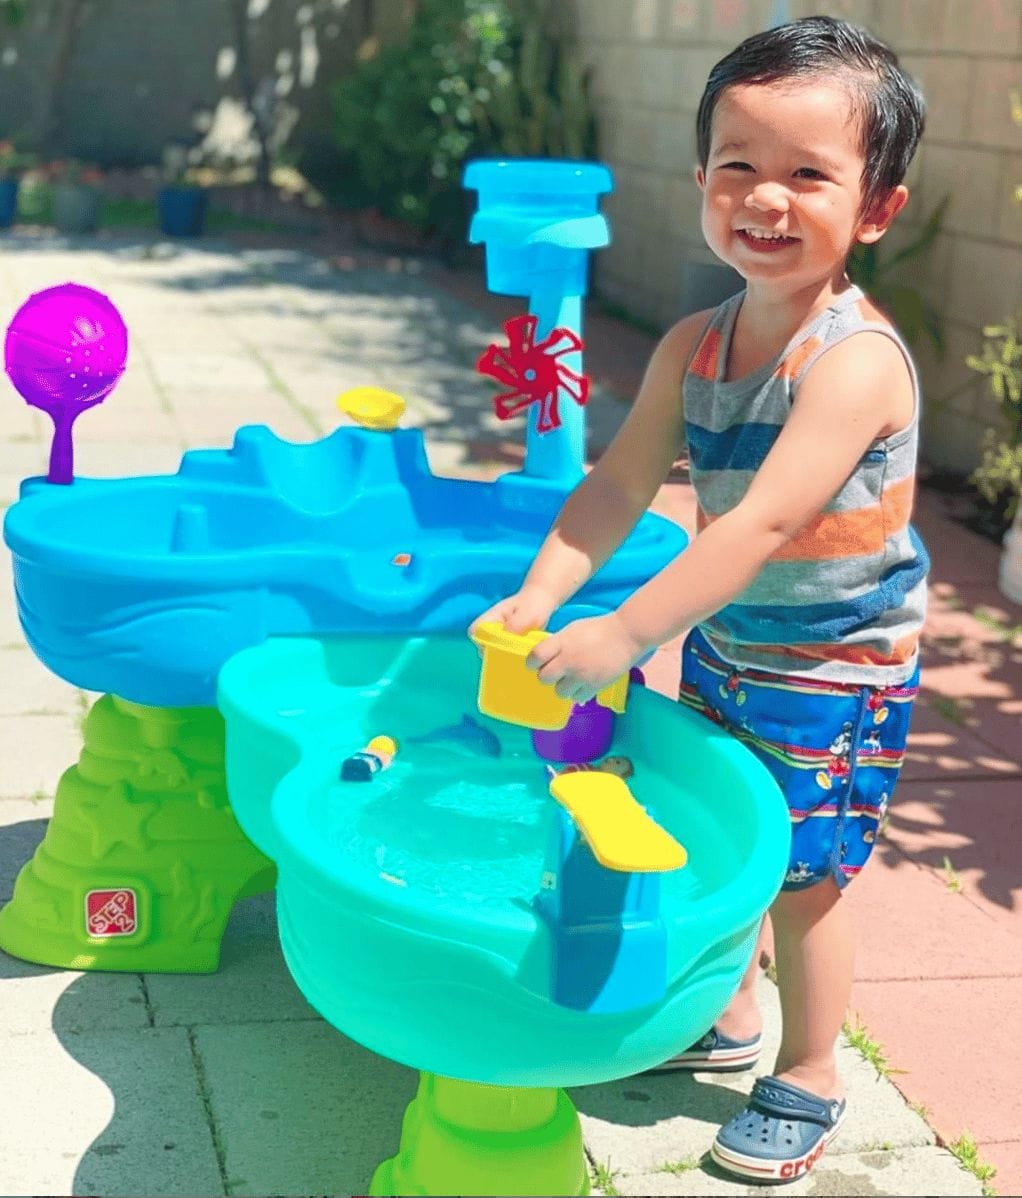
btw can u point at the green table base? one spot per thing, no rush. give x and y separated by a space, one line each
465 1138
143 858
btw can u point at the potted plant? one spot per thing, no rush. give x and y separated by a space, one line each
77 195
13 163
181 203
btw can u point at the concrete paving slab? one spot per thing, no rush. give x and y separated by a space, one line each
35 751
252 984
186 368
127 425
27 687
22 422
300 1109
158 1140
920 1171
641 1122
52 1109
111 1113
112 459
36 998
22 827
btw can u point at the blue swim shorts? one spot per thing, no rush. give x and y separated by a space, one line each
835 749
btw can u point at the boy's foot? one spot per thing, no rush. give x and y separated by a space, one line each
715 1053
780 1134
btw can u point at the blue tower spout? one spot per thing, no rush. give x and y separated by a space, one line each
539 220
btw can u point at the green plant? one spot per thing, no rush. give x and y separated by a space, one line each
948 708
998 477
14 162
877 275
685 1165
471 78
1008 633
951 879
541 107
13 11
603 1176
964 1150
858 1037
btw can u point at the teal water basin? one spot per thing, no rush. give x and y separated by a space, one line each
408 904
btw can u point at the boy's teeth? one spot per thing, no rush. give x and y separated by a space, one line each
765 236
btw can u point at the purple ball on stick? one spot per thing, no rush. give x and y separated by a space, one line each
66 348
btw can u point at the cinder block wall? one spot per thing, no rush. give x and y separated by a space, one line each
649 60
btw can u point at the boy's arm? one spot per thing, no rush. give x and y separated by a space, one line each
605 506
851 396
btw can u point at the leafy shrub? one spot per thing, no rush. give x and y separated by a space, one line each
998 477
472 77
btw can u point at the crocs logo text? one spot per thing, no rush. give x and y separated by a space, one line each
793 1168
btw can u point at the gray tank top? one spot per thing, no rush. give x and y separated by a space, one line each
844 599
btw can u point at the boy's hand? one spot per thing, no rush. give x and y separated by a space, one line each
523 611
585 656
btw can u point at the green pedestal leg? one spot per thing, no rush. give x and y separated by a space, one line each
465 1138
143 858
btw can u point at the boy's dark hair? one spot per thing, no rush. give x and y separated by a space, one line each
888 104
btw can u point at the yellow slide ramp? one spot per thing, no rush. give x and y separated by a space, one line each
617 829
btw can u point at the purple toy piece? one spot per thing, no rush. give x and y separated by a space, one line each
586 735
66 348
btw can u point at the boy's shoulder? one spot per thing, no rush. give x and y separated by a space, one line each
681 340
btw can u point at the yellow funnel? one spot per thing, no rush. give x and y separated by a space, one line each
509 690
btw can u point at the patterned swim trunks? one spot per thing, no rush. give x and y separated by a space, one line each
835 749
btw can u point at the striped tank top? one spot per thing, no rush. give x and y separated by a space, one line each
845 598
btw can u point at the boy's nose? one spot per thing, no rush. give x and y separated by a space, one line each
767 197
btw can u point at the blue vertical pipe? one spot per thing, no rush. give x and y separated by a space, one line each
539 220
558 454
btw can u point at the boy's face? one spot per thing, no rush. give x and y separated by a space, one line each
782 188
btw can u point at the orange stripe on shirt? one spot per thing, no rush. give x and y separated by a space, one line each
704 360
855 533
863 655
792 365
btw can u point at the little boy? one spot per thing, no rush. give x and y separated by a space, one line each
804 589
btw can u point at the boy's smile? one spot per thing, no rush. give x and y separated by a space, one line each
782 188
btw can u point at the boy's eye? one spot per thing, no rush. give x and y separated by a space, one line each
809 172
735 166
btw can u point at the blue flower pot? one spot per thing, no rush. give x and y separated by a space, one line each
182 211
8 202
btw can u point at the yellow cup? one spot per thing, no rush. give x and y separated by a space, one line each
510 691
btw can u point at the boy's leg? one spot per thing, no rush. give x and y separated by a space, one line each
742 1020
814 949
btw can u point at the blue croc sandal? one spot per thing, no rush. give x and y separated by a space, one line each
780 1135
715 1053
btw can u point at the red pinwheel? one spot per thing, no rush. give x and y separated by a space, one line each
532 370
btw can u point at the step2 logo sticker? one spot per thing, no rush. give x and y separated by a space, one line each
111 912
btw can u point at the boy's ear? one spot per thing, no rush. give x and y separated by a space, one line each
882 212
700 178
